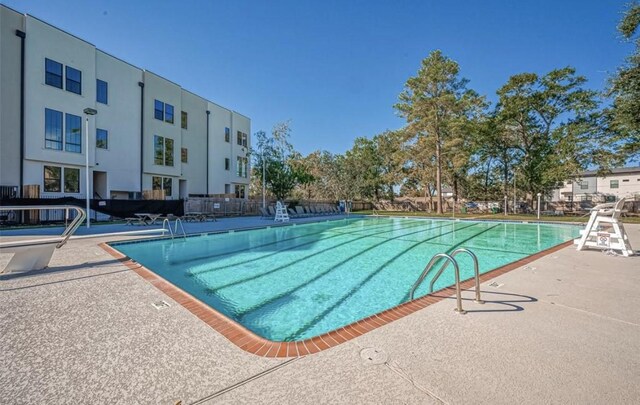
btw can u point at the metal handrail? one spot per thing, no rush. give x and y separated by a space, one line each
168 227
476 270
175 230
426 271
179 221
70 229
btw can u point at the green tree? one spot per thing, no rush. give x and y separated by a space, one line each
279 160
548 126
623 118
435 103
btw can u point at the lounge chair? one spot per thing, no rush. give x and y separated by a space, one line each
264 213
292 213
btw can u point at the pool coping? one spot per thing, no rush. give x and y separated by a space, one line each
252 343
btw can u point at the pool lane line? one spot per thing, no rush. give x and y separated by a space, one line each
318 276
213 290
337 235
368 278
244 250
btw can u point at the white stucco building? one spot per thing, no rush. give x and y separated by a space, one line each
621 182
148 133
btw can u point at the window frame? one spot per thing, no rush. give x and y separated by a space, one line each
158 113
158 150
240 190
98 92
227 134
168 116
72 82
168 155
46 180
242 164
72 140
584 185
227 164
59 140
184 155
612 182
184 120
66 181
160 183
100 131
241 139
52 75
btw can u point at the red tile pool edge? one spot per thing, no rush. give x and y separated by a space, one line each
252 343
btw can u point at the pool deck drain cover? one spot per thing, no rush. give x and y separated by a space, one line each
160 305
373 356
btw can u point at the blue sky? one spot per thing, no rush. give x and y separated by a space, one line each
335 68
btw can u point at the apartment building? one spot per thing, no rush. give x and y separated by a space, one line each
144 131
621 182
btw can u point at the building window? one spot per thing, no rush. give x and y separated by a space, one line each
163 111
71 180
52 179
52 129
613 183
158 110
184 155
74 80
227 135
239 191
102 138
241 165
168 113
102 91
53 73
163 151
227 163
168 152
73 133
584 185
183 120
625 180
242 139
163 183
227 188
158 148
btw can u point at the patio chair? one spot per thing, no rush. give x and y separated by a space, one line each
594 235
300 211
292 213
264 213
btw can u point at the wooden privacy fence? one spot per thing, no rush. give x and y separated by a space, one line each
222 206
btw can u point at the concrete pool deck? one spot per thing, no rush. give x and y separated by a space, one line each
563 329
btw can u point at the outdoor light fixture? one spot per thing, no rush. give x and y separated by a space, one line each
88 112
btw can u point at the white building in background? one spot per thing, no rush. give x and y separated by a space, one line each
621 182
148 133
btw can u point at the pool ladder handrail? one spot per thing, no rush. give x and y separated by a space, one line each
173 232
450 259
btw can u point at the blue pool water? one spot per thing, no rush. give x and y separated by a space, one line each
295 282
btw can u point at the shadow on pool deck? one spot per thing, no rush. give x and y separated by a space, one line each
505 302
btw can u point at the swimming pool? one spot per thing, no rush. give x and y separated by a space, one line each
296 282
